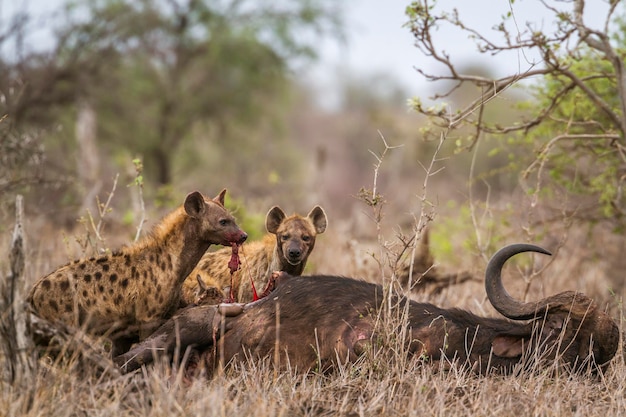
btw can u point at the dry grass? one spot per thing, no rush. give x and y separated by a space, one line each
382 384
386 383
367 388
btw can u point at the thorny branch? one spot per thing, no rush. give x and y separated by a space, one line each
559 50
373 199
427 208
138 164
103 210
425 22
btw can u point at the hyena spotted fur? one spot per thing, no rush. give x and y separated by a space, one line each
139 285
286 247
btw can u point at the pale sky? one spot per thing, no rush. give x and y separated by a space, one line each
378 44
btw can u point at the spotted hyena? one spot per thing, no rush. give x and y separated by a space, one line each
286 247
138 285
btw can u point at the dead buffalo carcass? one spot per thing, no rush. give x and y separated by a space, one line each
322 320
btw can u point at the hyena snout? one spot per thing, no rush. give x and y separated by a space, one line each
241 238
294 254
238 236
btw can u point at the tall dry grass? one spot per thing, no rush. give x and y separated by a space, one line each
384 382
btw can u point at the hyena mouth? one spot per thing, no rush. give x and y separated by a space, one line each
294 263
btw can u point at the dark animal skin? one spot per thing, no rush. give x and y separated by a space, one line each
328 319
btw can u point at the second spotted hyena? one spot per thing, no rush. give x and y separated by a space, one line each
139 284
286 247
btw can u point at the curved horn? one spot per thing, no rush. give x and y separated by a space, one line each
498 296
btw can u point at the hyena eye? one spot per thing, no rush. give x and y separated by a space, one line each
223 222
306 238
284 237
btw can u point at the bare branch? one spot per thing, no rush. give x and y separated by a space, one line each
578 117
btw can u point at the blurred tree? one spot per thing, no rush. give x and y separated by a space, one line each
575 132
34 87
189 62
21 160
155 70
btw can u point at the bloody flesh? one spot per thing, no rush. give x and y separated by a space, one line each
233 265
234 262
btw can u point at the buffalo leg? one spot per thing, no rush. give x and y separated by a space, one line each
190 327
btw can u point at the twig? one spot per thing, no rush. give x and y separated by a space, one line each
142 207
425 216
103 210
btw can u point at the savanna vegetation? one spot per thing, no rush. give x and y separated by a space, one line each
129 105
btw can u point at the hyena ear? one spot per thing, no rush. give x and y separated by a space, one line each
201 283
273 219
318 218
220 197
194 204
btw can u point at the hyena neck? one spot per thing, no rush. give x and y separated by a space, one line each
178 236
190 254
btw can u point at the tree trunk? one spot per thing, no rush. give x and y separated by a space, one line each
88 163
16 341
161 159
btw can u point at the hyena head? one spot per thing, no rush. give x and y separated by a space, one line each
295 235
207 295
212 222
